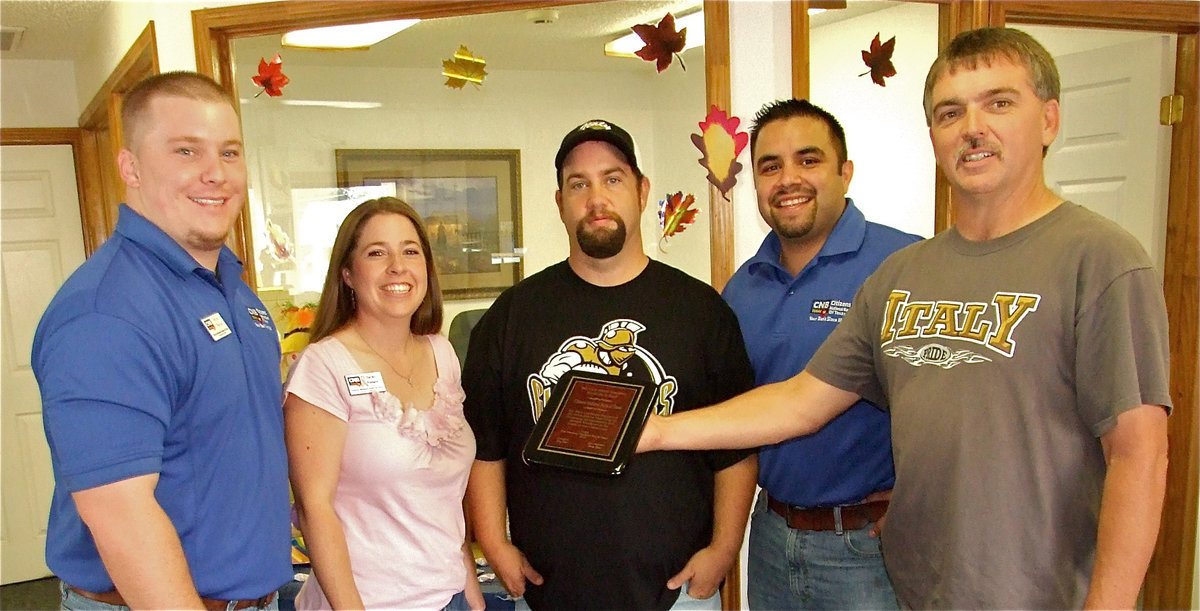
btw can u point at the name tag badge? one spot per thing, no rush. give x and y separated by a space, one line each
215 325
364 383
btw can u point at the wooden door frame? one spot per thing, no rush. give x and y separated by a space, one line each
71 136
214 29
1169 580
98 206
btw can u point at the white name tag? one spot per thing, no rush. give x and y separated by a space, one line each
364 383
215 325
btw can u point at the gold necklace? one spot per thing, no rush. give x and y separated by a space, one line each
406 378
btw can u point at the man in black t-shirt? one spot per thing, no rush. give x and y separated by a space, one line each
587 541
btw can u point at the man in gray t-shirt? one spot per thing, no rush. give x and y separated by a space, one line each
1023 358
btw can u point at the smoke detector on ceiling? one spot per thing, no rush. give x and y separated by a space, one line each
10 37
547 15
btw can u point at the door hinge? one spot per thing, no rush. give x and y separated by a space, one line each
1170 109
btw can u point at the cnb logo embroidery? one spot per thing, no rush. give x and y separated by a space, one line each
614 351
991 325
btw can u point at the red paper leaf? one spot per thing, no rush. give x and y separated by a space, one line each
270 76
676 213
879 60
662 41
721 143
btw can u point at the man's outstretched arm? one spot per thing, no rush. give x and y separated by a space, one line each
768 414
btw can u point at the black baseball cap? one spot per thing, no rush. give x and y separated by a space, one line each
596 130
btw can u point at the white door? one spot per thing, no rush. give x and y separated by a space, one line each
41 243
1111 154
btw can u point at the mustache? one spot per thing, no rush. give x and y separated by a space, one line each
974 142
808 192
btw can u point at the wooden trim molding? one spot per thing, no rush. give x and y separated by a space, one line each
141 59
1159 16
719 94
1172 568
1168 582
100 140
800 52
72 136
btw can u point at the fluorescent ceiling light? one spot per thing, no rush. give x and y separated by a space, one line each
630 43
356 36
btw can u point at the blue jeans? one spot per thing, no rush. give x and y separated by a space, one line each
683 603
458 603
72 601
803 569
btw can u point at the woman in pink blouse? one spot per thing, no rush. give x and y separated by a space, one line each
378 449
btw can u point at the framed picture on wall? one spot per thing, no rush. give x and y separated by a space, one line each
470 201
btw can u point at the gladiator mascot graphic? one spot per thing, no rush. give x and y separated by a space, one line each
614 352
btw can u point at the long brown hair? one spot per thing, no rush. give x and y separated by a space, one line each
336 307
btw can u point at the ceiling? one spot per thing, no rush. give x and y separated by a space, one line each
573 38
55 29
62 29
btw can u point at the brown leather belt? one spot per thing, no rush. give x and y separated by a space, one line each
212 604
854 517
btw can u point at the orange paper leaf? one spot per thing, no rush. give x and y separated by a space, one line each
675 213
720 143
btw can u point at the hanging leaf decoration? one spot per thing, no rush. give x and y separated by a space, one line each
281 244
879 60
720 143
463 68
675 213
662 42
270 76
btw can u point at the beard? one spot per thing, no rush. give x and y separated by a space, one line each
601 243
791 226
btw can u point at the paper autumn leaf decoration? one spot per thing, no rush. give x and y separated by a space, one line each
720 143
281 244
270 76
463 68
675 214
662 41
879 60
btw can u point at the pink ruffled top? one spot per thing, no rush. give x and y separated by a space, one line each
401 481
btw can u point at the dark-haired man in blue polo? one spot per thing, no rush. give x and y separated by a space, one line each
812 544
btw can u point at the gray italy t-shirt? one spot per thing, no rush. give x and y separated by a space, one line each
1002 362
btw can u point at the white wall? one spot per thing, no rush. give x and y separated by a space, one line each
38 93
121 23
886 135
292 147
885 128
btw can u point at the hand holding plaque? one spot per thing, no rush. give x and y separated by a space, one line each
591 423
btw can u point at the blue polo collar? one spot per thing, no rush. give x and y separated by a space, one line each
847 237
137 229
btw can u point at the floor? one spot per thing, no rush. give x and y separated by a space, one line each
39 594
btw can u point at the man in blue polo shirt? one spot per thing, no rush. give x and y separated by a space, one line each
159 374
812 544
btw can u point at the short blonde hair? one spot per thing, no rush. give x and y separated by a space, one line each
192 85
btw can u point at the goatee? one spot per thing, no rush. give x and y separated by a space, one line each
601 243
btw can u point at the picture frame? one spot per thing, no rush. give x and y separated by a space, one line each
470 201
